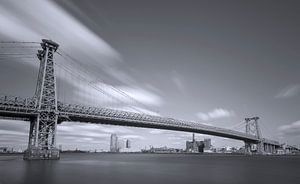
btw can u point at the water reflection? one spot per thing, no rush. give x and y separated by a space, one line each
42 172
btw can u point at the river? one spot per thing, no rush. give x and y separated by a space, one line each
104 168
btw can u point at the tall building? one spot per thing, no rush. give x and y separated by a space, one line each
114 147
207 144
128 144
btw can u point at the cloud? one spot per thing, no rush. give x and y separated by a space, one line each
125 98
90 136
215 114
11 132
292 129
91 129
289 91
137 110
141 95
132 137
157 131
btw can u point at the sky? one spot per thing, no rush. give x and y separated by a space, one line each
213 62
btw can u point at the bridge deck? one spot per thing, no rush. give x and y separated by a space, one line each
25 108
17 107
124 118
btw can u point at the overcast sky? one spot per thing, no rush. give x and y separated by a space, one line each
214 62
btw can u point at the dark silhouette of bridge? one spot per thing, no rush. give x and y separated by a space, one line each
45 112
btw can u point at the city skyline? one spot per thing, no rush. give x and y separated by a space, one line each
215 77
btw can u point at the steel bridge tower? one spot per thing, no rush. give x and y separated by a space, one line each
42 133
252 128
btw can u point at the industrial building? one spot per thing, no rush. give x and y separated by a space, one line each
194 146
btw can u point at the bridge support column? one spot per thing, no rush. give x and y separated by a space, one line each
252 128
42 133
267 148
248 148
260 148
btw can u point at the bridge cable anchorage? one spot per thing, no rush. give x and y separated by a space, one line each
118 91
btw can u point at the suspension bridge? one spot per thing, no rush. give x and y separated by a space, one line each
45 111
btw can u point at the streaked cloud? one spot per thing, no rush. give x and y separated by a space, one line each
139 110
127 98
132 137
292 129
98 59
142 95
289 91
215 114
157 131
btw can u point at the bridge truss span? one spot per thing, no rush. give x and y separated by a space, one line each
125 118
14 106
26 107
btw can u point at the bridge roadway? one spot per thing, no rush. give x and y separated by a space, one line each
16 107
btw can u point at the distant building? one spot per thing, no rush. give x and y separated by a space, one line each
6 150
121 145
194 146
3 149
114 146
128 144
164 149
207 144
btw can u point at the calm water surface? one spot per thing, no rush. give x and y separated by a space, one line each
151 168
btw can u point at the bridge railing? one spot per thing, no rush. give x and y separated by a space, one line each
16 103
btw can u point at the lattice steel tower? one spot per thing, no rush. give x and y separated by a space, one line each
42 134
252 128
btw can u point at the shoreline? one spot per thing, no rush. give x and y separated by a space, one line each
140 153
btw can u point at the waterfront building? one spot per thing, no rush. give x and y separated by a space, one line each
207 144
114 146
3 149
163 149
194 146
6 150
